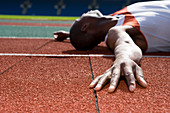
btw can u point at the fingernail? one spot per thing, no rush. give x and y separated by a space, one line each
111 89
91 84
144 83
55 36
98 87
131 88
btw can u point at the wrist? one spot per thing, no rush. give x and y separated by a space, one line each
135 56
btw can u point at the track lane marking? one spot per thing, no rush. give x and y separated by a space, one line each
72 55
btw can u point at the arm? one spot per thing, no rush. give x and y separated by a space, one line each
61 35
127 57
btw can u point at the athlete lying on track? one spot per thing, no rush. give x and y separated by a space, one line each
140 27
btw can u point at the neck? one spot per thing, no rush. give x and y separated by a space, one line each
104 27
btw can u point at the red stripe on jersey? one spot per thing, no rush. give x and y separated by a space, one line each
129 18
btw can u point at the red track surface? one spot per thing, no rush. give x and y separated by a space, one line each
155 98
46 84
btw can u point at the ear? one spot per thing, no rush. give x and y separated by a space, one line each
85 26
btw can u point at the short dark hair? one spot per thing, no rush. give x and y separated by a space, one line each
81 40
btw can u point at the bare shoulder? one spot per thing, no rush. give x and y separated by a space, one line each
134 34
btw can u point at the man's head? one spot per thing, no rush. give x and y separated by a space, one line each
88 31
83 33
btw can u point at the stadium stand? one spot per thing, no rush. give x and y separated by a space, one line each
10 7
61 7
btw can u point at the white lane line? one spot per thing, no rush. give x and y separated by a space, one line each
71 55
55 55
3 37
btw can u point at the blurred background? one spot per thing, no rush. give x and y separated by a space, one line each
61 7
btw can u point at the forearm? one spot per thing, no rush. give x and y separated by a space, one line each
128 50
123 46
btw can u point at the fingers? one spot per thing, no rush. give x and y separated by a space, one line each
55 36
95 81
60 35
101 83
113 74
101 80
130 78
140 77
114 80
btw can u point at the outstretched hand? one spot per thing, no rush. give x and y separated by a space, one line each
124 67
60 35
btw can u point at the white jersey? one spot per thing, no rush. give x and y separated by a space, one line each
152 19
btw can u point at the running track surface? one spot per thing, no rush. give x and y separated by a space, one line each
60 84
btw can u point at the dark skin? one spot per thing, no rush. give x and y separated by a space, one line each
60 35
136 36
126 42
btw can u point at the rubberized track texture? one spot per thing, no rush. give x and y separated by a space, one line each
60 84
